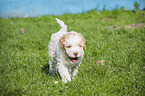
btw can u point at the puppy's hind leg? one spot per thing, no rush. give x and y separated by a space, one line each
52 60
52 66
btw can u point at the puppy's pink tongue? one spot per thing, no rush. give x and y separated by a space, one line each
74 61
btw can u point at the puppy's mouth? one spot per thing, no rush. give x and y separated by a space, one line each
74 60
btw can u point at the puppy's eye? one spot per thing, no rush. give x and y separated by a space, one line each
80 45
68 46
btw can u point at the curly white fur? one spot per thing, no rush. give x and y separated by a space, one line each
66 51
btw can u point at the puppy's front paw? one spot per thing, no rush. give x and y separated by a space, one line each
65 80
73 77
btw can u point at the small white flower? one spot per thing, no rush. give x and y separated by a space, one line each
56 82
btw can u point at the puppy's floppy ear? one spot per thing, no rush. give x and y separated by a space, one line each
84 41
61 40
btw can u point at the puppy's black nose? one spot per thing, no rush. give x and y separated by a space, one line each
75 53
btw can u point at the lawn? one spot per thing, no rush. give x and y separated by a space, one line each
113 64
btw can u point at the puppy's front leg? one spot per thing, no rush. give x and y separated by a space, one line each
74 72
64 73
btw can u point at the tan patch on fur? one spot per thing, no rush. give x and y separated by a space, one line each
61 40
71 33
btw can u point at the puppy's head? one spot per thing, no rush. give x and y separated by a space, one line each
73 44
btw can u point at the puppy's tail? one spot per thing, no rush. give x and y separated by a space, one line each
61 23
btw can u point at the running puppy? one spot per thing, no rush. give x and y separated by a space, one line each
66 51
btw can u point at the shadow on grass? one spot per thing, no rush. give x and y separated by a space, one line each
45 69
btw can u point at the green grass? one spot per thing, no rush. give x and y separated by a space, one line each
24 57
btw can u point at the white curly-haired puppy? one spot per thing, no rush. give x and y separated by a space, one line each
66 51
